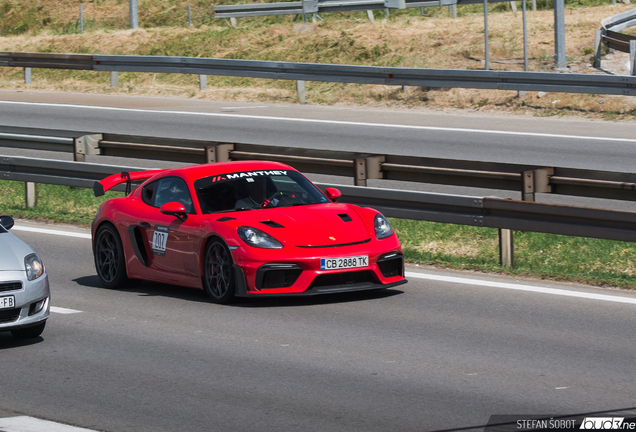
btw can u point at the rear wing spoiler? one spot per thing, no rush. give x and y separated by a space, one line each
100 187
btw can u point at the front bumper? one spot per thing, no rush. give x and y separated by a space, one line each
298 273
24 314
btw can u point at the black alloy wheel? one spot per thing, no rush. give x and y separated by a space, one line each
218 273
110 261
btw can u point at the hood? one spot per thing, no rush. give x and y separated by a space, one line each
12 252
310 225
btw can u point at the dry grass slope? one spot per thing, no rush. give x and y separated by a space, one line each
405 40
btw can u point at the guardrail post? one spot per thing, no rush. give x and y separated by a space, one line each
300 89
598 38
27 75
86 145
30 194
632 57
370 16
506 247
360 167
233 22
532 181
203 82
114 79
535 181
218 153
368 168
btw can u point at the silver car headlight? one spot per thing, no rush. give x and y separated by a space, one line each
258 238
34 267
382 227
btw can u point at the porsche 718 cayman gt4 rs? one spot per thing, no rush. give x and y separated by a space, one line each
241 229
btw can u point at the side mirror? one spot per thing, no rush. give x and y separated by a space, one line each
174 209
333 194
7 222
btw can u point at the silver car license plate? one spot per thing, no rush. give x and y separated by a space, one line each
7 302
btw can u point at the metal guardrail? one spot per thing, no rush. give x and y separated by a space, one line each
479 79
527 179
456 209
328 6
609 35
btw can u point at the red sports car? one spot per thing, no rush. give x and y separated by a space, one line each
241 229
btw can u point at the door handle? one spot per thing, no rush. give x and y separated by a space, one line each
145 224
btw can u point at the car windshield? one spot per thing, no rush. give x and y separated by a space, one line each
256 189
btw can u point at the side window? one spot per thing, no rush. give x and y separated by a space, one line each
148 192
171 189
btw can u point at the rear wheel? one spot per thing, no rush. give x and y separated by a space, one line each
110 261
29 332
218 274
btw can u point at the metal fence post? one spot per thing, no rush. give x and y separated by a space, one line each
30 194
134 15
525 36
370 15
300 89
486 34
598 37
506 247
27 75
114 79
203 82
534 5
559 34
632 57
189 17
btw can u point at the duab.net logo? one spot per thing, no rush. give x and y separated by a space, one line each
603 423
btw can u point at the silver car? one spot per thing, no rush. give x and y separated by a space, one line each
24 286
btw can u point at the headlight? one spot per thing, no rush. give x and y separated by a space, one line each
258 238
382 227
34 266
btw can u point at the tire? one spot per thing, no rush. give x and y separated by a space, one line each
110 261
29 332
218 273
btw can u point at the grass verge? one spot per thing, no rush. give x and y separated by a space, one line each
546 256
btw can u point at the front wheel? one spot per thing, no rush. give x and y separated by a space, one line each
218 274
110 261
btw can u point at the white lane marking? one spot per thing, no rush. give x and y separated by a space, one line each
331 122
64 311
519 287
51 231
32 424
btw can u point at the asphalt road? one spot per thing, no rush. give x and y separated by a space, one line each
566 142
574 143
430 356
